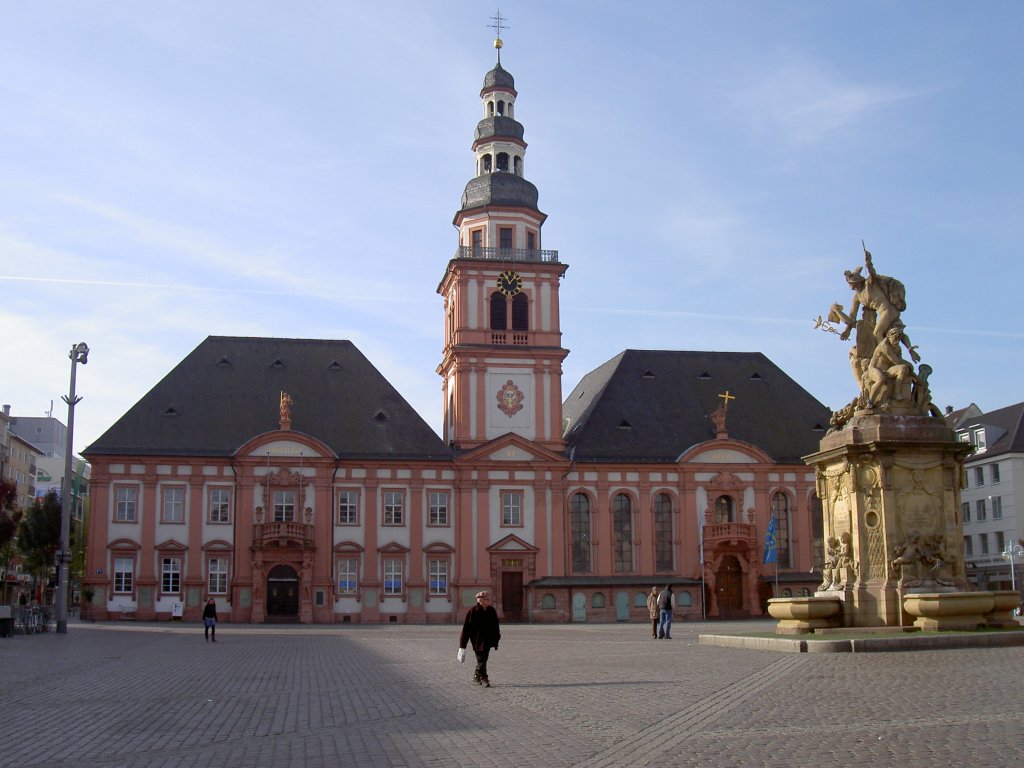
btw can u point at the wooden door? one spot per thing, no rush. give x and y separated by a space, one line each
512 595
729 583
282 593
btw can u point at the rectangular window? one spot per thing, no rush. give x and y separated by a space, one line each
968 547
965 509
980 507
220 505
438 512
170 575
173 506
348 507
348 576
505 237
997 507
979 439
1000 541
217 576
963 437
511 508
394 508
392 577
983 539
126 504
979 476
438 570
531 241
124 569
477 237
284 506
995 473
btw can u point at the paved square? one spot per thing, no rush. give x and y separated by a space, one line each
141 696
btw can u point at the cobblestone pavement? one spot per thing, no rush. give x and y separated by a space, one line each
158 696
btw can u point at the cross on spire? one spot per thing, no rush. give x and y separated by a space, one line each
498 25
725 400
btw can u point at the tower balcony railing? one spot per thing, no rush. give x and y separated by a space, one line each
517 338
505 254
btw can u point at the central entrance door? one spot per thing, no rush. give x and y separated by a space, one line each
729 582
282 594
512 595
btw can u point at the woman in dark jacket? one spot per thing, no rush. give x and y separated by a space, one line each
481 630
210 620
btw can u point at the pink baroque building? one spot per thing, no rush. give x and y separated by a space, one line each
287 479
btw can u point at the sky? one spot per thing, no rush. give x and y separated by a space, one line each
177 170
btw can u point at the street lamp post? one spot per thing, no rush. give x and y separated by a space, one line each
79 354
1013 552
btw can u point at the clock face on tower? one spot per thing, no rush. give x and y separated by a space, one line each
510 283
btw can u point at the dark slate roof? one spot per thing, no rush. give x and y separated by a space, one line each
1004 430
499 126
499 77
651 406
499 188
227 391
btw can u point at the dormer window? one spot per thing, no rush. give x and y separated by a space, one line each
978 438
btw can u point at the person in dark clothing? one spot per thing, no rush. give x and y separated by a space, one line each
665 605
210 620
480 629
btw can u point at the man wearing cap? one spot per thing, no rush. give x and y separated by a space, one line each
481 630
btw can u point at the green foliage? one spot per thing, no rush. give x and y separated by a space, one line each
9 515
39 533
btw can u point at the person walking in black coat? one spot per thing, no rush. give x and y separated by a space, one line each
482 631
210 620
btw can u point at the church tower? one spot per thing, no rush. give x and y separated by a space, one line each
502 361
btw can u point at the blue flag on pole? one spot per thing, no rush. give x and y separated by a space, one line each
771 544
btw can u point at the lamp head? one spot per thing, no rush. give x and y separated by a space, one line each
80 353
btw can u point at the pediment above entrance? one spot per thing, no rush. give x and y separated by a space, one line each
275 448
725 452
511 448
512 543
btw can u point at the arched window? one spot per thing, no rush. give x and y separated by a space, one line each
517 165
597 600
622 534
780 508
499 312
520 313
503 161
485 164
663 532
580 522
547 602
684 599
640 600
501 107
490 109
787 592
725 511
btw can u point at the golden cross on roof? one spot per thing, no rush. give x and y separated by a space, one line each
725 400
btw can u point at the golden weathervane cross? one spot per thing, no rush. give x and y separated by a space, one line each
725 400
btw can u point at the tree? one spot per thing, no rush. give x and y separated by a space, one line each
39 534
10 517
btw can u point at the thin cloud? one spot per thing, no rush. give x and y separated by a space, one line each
808 105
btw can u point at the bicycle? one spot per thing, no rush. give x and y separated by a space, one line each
33 621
